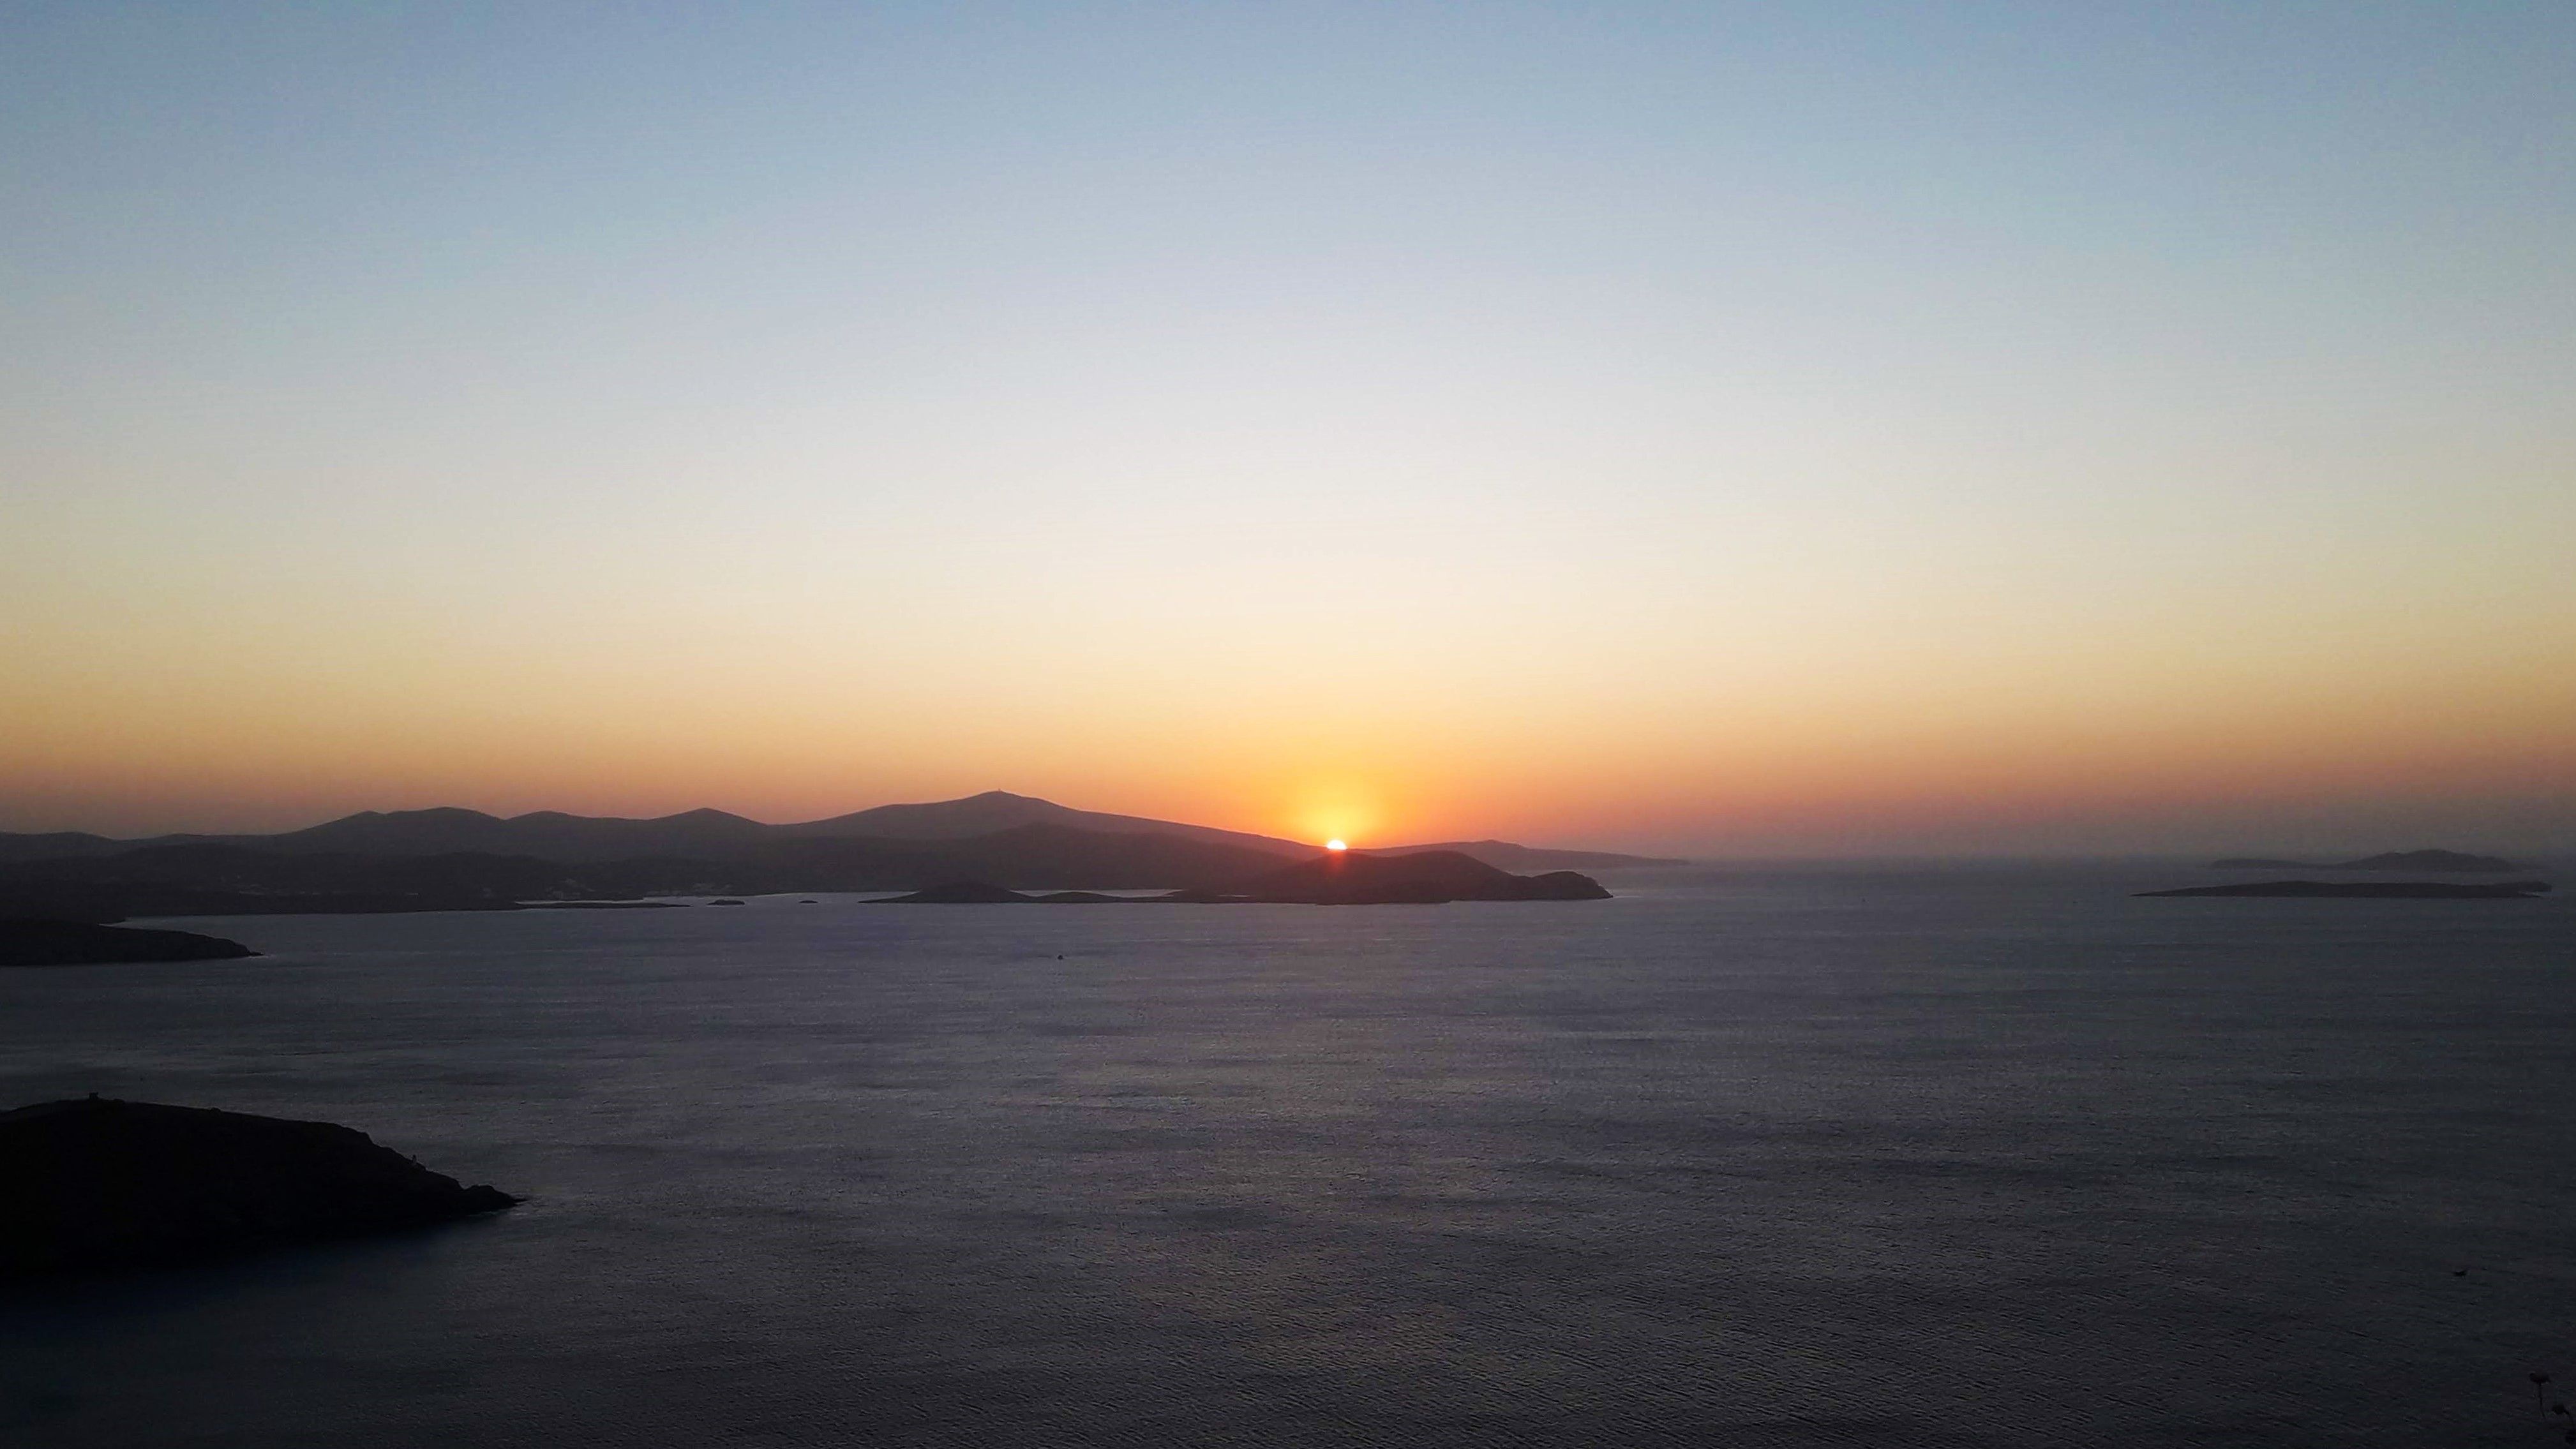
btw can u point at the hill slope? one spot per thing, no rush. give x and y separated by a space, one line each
998 810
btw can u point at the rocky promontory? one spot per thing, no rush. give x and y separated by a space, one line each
77 943
103 1184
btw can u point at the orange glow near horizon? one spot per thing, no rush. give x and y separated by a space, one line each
1380 463
1988 700
139 754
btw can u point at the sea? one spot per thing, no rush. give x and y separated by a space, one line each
1922 1155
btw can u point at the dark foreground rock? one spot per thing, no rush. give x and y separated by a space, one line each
73 943
95 1185
2377 890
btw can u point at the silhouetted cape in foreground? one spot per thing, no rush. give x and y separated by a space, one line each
1344 878
2440 862
2379 890
72 943
103 1185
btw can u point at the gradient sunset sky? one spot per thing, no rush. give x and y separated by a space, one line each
1734 429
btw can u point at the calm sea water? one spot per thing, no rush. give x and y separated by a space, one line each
1958 1157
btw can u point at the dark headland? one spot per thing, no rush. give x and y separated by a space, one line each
77 943
2377 890
1342 878
101 1185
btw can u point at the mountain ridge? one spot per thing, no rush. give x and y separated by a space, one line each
709 834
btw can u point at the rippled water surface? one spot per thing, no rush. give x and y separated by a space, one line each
1765 1158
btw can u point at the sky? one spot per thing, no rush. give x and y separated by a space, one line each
1786 429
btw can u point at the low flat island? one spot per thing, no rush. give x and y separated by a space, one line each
2377 890
1342 878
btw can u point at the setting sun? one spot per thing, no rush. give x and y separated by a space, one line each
1926 613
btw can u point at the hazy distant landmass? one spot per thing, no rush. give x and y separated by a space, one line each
466 860
2441 862
1353 878
716 835
2519 890
211 879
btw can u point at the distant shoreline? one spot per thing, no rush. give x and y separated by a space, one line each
2379 890
463 860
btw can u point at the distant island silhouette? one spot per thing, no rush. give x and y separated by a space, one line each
2519 890
1354 877
968 893
2440 862
452 860
102 1185
714 835
1504 855
1339 878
